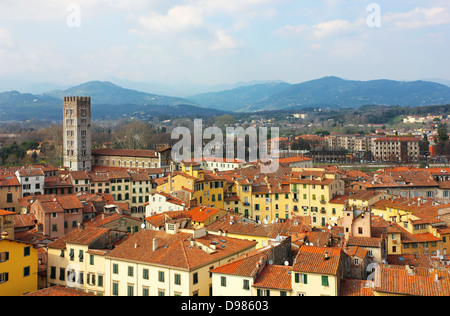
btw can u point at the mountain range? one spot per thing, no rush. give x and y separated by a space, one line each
111 101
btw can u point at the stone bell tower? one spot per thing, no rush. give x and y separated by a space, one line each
77 133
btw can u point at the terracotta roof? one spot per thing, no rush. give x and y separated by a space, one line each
176 250
351 287
202 213
274 277
340 199
159 220
355 251
245 265
125 152
6 213
416 260
79 236
9 181
312 259
288 160
79 175
59 291
402 281
24 220
370 242
30 172
102 220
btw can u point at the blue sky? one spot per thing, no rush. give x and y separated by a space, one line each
222 41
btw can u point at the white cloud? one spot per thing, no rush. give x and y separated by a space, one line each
320 30
177 19
223 41
417 18
5 39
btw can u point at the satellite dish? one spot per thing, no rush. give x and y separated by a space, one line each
143 225
286 263
270 262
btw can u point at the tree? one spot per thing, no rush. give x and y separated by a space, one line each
442 138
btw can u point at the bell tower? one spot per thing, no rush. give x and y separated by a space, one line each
77 133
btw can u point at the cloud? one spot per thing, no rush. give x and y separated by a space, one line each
177 19
5 39
223 41
418 18
320 30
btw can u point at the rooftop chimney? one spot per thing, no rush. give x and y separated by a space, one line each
155 244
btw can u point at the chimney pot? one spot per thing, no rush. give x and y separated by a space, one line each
155 244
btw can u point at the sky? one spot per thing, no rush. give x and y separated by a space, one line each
211 42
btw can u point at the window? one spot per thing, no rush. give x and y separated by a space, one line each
62 274
130 271
177 279
161 276
263 292
195 278
100 280
91 260
115 289
145 274
301 278
115 268
4 256
223 281
325 280
80 255
26 271
52 272
26 251
246 285
145 291
130 290
4 277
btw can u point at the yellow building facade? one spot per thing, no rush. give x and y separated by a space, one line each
18 268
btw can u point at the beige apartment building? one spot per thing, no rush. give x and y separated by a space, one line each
77 260
171 263
396 149
311 191
351 142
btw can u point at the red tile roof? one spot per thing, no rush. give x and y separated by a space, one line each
202 213
176 250
402 282
79 236
59 291
125 152
312 259
274 277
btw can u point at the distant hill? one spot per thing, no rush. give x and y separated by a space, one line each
339 93
109 101
241 98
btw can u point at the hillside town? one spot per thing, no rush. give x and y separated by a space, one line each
119 222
